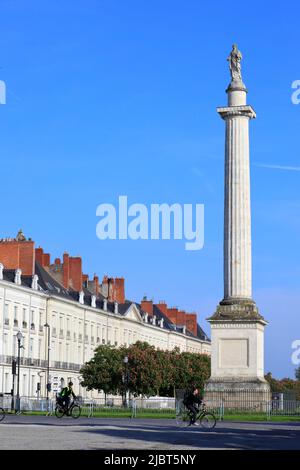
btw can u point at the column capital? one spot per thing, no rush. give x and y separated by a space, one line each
234 111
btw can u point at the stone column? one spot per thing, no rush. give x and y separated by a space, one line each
237 328
237 214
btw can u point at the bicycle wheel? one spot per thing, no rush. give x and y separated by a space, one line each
182 418
59 411
208 420
75 411
2 414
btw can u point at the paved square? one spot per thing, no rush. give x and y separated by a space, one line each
42 432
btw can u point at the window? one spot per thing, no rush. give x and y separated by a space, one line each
6 314
14 351
33 391
31 343
32 317
5 342
40 348
24 318
24 385
6 382
15 315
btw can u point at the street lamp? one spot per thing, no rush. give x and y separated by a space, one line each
125 360
19 338
48 364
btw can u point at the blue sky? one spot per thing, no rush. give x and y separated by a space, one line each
109 98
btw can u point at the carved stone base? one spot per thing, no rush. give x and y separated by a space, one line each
237 310
238 393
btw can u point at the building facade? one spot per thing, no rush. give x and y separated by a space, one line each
63 317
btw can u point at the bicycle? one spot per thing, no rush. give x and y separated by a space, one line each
205 418
2 414
74 410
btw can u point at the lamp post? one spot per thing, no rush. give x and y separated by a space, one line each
19 338
125 360
48 364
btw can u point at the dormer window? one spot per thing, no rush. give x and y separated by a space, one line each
18 274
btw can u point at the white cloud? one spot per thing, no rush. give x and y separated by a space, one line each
278 167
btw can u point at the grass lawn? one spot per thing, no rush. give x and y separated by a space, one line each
170 414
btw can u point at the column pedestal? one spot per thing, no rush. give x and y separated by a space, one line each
237 327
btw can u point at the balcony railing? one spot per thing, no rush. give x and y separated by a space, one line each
41 363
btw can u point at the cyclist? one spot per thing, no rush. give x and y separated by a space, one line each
65 395
192 400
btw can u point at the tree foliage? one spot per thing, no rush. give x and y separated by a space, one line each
284 385
150 371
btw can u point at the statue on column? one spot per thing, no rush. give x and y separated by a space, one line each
234 60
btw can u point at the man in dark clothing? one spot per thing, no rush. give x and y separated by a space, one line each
192 400
65 394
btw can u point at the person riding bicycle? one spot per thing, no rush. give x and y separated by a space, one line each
191 401
64 397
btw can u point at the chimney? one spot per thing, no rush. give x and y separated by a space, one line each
42 258
46 260
162 307
147 305
72 272
85 280
96 285
18 253
172 314
191 323
111 289
75 273
39 255
181 318
66 270
120 290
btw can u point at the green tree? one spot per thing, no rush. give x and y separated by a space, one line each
104 371
145 376
151 371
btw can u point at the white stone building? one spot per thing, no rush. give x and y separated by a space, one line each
78 322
